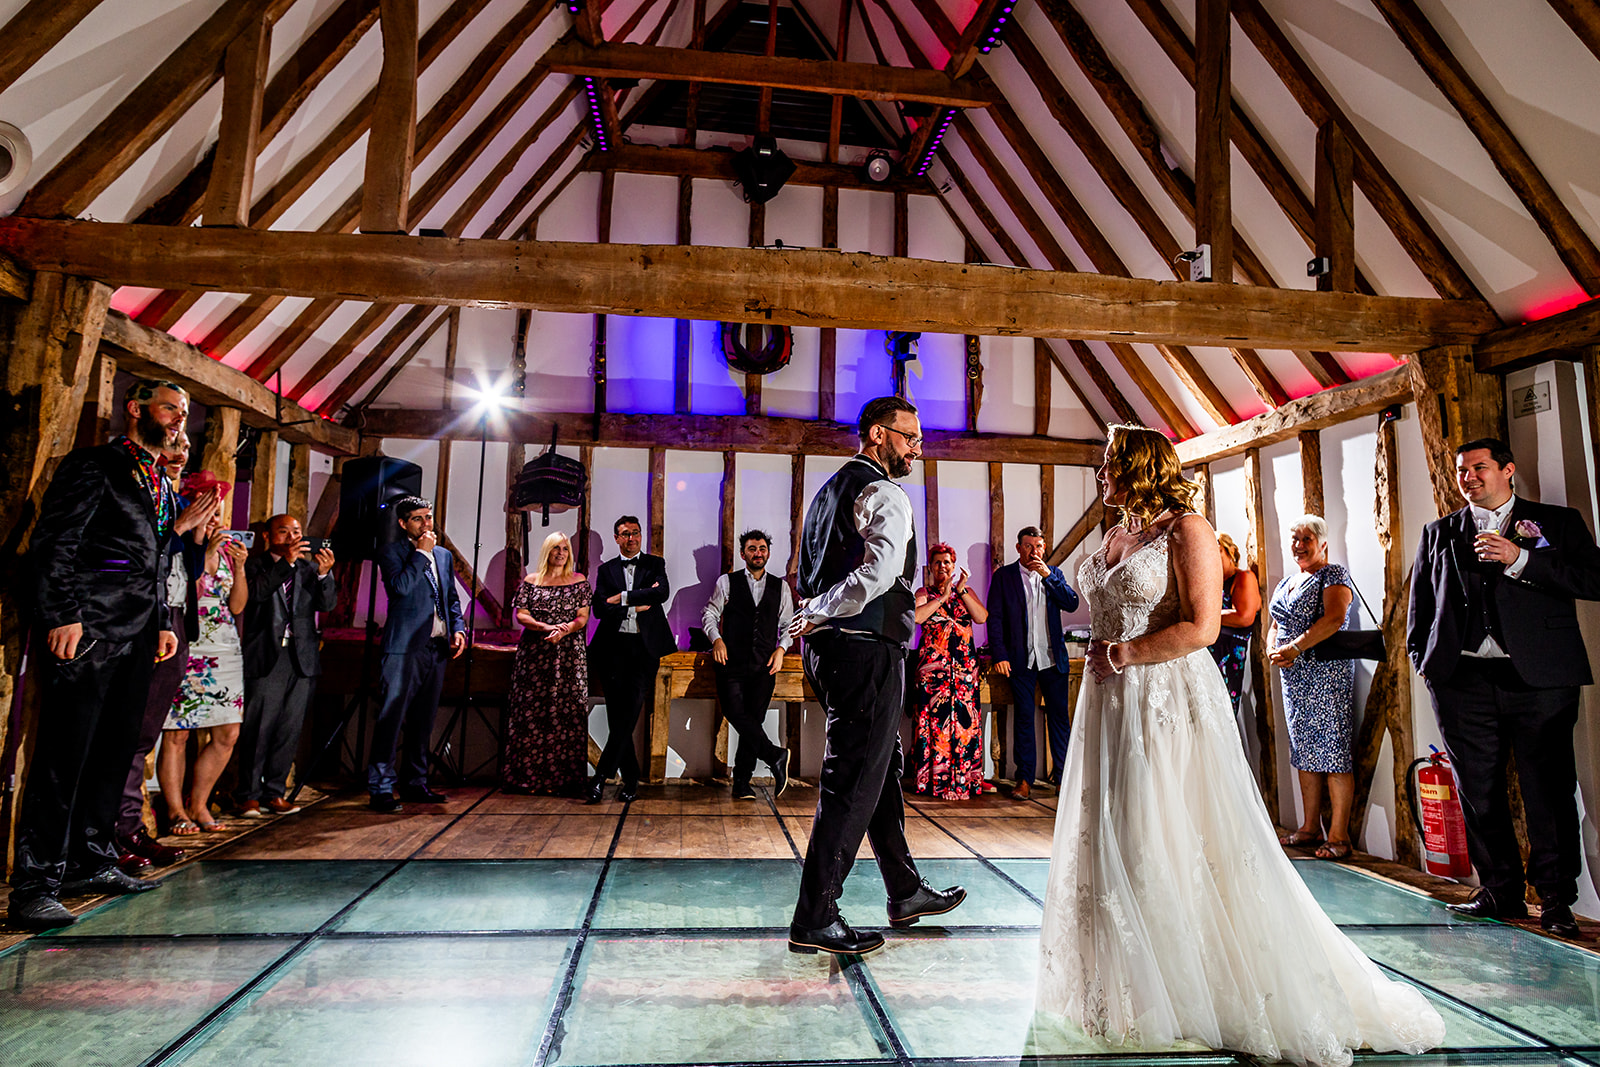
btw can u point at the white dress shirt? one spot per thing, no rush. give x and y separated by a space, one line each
630 621
882 516
711 617
1039 655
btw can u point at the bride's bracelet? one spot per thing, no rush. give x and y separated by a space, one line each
1114 668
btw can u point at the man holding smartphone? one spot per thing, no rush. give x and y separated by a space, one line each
282 659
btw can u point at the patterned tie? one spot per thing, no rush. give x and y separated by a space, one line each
433 580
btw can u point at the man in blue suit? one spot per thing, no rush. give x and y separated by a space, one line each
424 628
1026 599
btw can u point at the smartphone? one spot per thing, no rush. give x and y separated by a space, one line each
315 545
247 538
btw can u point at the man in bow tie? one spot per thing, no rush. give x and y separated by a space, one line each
425 628
629 601
1493 631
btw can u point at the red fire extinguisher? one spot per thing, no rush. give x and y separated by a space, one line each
1437 806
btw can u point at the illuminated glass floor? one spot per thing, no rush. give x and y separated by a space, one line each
615 960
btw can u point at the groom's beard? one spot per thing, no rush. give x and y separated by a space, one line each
150 433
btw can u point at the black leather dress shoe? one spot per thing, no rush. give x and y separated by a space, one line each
421 794
924 902
628 792
743 791
1485 905
385 803
780 772
142 844
1557 919
110 880
593 792
40 913
836 937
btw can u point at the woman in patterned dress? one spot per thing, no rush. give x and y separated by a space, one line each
1318 694
547 708
1241 602
947 758
211 696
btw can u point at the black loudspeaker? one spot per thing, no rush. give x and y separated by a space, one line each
368 491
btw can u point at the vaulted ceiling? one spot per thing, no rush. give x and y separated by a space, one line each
1468 129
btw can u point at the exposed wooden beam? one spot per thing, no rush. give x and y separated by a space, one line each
721 433
298 501
716 163
391 141
1213 100
145 113
1583 16
15 284
264 477
1576 249
1087 523
400 364
1563 335
805 287
243 83
1311 492
301 73
866 81
219 449
1335 207
34 30
930 509
149 352
1368 396
1431 255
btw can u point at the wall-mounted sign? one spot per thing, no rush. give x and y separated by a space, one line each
1530 400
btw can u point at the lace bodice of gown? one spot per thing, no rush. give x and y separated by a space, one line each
1135 596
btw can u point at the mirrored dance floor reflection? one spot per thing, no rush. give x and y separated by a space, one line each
516 931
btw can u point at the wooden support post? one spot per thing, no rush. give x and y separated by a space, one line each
997 514
658 502
105 398
1205 499
386 191
217 455
1213 96
1335 209
264 477
1388 707
930 491
585 512
797 512
682 368
827 356
298 503
1591 381
730 490
1047 502
974 349
1041 388
1311 470
517 523
1260 679
1455 403
231 188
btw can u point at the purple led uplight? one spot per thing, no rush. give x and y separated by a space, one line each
595 116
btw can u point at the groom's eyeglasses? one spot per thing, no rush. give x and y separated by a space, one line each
913 440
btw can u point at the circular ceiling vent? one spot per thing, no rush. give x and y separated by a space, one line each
16 157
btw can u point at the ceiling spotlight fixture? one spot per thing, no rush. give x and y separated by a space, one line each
877 167
761 169
16 157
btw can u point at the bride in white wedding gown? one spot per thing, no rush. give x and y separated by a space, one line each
1171 913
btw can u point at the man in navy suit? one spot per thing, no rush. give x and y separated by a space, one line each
1493 630
629 594
424 628
1026 599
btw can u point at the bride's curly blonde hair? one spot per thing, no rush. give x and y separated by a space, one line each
1145 465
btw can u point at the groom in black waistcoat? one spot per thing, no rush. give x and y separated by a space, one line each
858 554
1493 631
97 568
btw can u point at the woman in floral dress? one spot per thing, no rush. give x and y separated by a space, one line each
547 708
947 757
211 696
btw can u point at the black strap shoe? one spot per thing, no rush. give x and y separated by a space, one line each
110 880
385 803
837 937
1485 905
780 772
40 913
924 902
1557 919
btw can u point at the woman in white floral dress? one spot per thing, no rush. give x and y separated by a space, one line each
1171 913
212 693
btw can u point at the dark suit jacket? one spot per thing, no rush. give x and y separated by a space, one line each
266 614
1538 618
95 558
650 587
410 595
1008 615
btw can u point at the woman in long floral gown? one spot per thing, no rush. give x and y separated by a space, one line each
947 758
547 708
